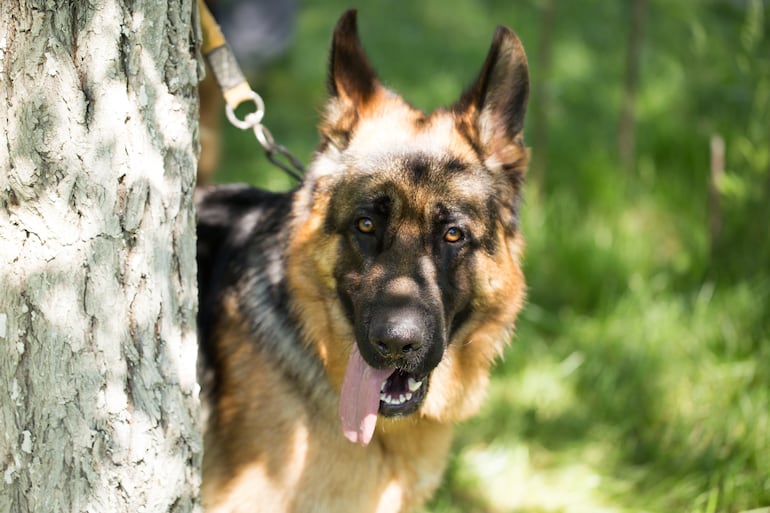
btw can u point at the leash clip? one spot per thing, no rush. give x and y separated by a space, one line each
236 90
251 120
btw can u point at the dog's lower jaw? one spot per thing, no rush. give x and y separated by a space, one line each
402 394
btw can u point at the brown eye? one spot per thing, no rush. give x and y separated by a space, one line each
365 225
453 234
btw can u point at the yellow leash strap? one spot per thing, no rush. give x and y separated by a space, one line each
225 68
236 90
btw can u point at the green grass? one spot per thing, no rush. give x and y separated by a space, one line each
639 377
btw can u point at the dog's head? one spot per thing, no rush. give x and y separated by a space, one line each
406 247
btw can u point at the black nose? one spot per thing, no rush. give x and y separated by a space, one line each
399 335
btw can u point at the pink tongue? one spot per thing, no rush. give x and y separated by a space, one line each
360 398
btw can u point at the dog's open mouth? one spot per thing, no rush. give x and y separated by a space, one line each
367 391
402 393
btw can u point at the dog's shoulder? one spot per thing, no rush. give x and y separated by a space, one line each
232 214
241 232
232 221
239 228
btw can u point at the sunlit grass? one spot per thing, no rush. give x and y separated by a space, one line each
632 395
636 401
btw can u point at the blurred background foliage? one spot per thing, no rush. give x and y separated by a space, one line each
639 377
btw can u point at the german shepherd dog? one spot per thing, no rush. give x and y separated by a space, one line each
345 325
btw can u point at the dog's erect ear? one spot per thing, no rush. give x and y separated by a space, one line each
351 78
353 84
492 110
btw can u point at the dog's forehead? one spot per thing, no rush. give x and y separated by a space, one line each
399 129
427 155
419 165
415 187
426 180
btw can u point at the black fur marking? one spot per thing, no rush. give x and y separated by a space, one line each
421 167
460 319
455 165
418 167
383 205
242 235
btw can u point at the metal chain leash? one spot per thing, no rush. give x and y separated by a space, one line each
276 153
236 91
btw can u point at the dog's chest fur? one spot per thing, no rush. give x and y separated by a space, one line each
286 455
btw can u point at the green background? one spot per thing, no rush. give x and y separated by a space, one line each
639 376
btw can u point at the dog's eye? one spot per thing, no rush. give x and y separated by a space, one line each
365 225
453 234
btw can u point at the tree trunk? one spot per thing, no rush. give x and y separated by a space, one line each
717 147
98 126
626 129
541 106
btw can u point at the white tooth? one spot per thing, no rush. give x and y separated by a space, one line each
382 387
413 385
408 396
401 399
389 400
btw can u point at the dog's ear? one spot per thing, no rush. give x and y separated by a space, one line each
353 84
491 111
351 78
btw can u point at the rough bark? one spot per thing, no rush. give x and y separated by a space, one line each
98 123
